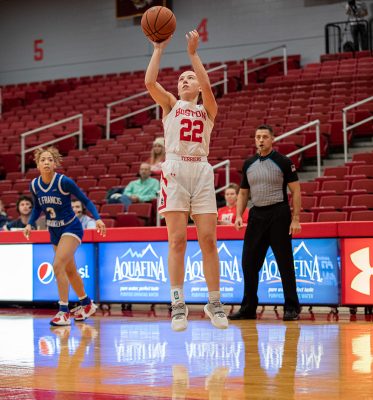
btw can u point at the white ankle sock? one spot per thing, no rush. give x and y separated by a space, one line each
214 296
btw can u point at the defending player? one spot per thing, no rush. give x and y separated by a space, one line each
187 179
52 195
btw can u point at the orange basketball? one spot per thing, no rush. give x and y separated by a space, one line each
158 23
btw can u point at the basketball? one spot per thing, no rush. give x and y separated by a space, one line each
158 23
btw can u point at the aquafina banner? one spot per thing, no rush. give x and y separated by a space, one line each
138 272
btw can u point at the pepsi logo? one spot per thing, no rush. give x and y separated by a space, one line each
45 273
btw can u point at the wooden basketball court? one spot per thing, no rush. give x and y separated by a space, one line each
137 356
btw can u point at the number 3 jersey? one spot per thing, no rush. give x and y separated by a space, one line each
54 199
187 129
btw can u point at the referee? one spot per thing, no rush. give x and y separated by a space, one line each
265 178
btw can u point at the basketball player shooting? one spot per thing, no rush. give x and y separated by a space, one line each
187 179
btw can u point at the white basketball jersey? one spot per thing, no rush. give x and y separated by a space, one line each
187 129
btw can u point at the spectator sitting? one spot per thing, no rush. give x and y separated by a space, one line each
3 215
80 211
227 214
24 207
140 190
157 155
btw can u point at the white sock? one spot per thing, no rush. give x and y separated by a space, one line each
177 295
214 296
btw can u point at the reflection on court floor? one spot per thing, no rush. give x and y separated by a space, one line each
145 359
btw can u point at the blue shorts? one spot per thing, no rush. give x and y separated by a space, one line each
73 229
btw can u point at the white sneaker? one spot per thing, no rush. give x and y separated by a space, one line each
217 314
81 313
179 316
61 319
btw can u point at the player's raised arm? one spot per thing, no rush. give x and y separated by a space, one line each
165 99
208 97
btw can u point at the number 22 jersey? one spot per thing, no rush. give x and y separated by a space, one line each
187 129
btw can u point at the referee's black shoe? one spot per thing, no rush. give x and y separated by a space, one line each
291 315
240 315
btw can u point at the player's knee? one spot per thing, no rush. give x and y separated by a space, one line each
71 272
207 243
177 242
59 266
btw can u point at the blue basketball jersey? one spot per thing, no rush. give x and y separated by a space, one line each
53 200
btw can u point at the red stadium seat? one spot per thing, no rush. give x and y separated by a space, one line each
338 201
306 217
5 186
367 157
9 197
362 200
361 215
21 186
365 184
366 170
142 210
109 222
12 212
339 172
86 183
308 202
339 186
97 196
91 133
118 169
112 210
332 216
86 160
109 183
128 219
308 188
75 171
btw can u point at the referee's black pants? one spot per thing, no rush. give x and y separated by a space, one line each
268 226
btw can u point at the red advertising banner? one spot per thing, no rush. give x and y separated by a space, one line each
357 271
134 8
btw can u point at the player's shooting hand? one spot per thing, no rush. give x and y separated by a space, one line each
101 227
193 39
161 45
238 223
27 231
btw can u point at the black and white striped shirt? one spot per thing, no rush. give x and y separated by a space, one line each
267 178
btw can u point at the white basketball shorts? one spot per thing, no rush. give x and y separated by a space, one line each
187 186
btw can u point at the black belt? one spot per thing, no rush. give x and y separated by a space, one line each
270 206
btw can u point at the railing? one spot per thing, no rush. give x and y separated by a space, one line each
348 128
316 143
284 60
338 36
226 164
109 106
79 132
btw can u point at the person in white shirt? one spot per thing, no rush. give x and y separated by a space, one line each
187 179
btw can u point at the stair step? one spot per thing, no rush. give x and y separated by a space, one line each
309 172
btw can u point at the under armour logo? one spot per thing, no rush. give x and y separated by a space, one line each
361 282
